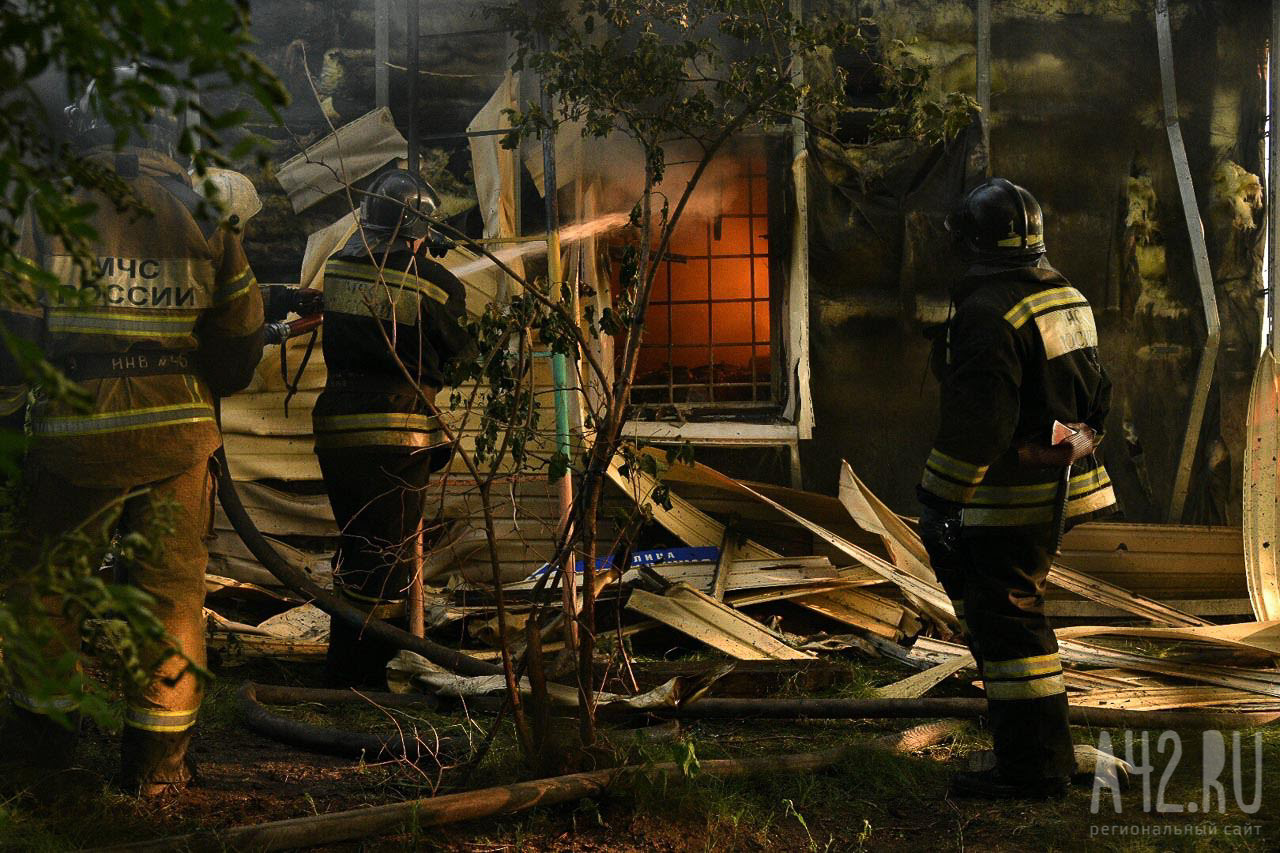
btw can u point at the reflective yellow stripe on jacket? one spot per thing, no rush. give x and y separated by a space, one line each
119 421
377 429
1016 506
365 291
951 478
1045 300
175 328
61 703
239 285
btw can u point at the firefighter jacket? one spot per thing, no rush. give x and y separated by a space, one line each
169 315
1021 353
388 311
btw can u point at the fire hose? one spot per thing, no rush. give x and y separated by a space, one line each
295 579
347 744
278 333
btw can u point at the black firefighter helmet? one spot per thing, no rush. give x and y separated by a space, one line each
998 221
397 202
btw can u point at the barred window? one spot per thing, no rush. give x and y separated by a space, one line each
709 333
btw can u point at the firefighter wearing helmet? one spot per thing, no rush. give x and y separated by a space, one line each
392 323
1024 400
167 318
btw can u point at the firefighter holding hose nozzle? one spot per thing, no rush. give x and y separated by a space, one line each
392 322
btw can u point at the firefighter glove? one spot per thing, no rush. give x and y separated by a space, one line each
1072 450
940 530
438 244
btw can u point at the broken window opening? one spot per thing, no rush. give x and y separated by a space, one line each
711 335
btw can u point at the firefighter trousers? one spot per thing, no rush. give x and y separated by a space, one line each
995 580
378 498
175 514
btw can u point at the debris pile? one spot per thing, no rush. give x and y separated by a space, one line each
856 581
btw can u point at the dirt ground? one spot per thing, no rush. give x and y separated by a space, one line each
877 801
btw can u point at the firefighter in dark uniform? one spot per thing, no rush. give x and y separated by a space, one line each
170 319
1018 362
392 322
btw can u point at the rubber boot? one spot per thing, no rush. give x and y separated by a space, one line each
993 785
355 659
154 763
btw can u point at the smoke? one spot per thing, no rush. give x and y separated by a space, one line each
618 162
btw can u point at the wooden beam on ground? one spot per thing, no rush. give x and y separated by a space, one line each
915 686
864 610
714 623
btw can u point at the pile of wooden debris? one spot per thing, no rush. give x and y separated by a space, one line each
854 579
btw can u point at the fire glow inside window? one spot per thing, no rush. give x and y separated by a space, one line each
709 331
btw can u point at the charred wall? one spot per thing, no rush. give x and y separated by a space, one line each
1076 117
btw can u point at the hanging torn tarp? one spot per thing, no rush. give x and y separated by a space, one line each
493 166
320 245
350 153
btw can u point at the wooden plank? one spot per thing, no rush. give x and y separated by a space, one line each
1252 637
1168 697
746 598
1264 682
690 524
866 610
1211 607
1161 561
711 622
1100 591
746 575
235 648
870 513
1133 538
929 592
1200 258
724 565
909 553
915 686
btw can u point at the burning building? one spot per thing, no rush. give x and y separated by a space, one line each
786 329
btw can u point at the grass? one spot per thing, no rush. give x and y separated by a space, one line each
875 800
